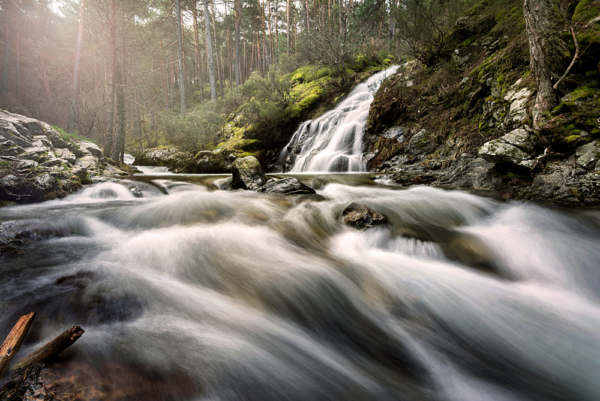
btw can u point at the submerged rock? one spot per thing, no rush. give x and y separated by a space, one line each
247 174
286 186
361 217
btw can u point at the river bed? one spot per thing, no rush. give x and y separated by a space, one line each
187 292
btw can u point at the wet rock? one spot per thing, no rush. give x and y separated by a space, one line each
588 155
361 217
471 174
470 251
286 186
111 171
247 174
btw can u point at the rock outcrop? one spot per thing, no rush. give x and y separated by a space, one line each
247 174
36 164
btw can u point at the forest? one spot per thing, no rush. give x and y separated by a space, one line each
138 74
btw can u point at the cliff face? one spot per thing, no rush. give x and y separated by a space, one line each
466 122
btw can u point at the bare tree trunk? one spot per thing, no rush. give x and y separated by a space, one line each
209 52
180 57
7 19
71 123
18 48
197 48
288 28
219 60
113 65
545 22
120 106
238 20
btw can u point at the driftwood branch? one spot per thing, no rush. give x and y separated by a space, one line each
572 62
53 348
13 341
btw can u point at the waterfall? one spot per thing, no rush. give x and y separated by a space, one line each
333 142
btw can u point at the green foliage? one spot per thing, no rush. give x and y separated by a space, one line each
72 137
586 10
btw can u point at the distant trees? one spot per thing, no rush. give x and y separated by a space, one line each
106 68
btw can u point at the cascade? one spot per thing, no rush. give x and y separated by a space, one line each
333 142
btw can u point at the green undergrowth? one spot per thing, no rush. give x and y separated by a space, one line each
72 137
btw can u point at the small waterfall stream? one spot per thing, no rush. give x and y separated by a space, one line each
333 142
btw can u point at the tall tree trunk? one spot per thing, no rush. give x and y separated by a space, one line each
288 28
217 47
209 52
71 123
276 31
7 27
238 20
18 48
113 66
197 49
120 106
180 57
544 21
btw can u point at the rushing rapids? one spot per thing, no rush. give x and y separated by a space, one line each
333 142
192 293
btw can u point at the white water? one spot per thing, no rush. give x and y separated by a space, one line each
333 142
201 295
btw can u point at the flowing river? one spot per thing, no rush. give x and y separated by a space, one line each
187 292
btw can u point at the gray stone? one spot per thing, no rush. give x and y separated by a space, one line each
89 162
247 174
66 155
394 133
588 155
286 186
498 151
419 143
38 154
90 147
521 139
518 99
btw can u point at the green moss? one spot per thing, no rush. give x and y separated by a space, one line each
572 138
467 42
310 73
4 166
586 10
571 127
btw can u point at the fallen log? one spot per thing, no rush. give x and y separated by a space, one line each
53 348
13 341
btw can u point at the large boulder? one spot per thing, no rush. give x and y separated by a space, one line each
208 162
361 217
247 174
516 147
286 186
